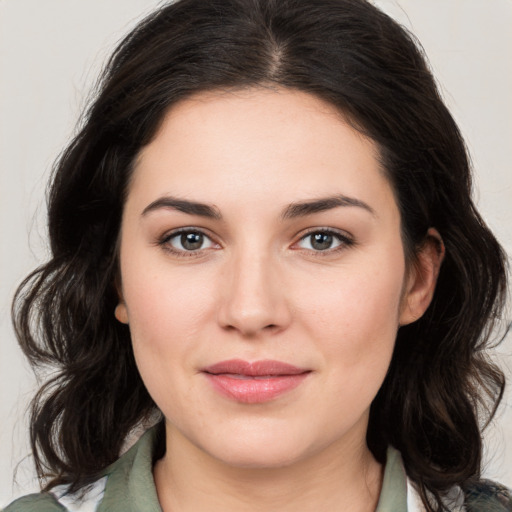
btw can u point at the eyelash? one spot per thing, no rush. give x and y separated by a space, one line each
343 239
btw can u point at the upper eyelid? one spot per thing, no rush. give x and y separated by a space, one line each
334 231
301 233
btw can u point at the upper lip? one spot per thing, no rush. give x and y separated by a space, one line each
254 369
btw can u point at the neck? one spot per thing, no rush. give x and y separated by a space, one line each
345 477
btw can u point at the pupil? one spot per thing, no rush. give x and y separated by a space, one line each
321 241
192 241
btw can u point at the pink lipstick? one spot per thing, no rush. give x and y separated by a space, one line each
257 382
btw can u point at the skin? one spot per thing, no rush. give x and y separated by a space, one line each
258 289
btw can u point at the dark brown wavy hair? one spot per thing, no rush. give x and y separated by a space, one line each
440 389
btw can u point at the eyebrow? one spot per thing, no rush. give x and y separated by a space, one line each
293 210
185 206
303 208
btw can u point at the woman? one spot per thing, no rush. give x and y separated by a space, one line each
260 244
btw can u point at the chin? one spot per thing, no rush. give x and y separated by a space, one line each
260 448
260 457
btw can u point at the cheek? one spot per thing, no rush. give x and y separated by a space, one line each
357 301
165 310
354 317
165 315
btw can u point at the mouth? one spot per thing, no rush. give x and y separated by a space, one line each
256 382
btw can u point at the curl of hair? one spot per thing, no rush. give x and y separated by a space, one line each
440 388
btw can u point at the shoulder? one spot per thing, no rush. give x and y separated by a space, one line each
60 500
125 485
43 502
488 496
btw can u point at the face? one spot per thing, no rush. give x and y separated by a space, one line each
263 276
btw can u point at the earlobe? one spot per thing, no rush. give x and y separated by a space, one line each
121 313
422 279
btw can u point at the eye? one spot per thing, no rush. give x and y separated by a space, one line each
187 241
323 240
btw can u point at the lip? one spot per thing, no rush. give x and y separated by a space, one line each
256 382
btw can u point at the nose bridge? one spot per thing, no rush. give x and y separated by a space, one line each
253 298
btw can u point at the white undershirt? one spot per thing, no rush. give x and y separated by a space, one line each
91 499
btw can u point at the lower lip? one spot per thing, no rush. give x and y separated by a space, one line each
255 390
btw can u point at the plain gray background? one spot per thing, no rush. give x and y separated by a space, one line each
50 54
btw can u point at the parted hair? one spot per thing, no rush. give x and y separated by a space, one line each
441 387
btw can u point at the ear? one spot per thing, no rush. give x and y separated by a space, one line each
121 312
422 278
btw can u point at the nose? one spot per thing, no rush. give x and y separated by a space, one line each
254 300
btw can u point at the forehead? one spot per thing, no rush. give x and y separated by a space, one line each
258 144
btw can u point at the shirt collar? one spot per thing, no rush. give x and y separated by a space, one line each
130 485
393 495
